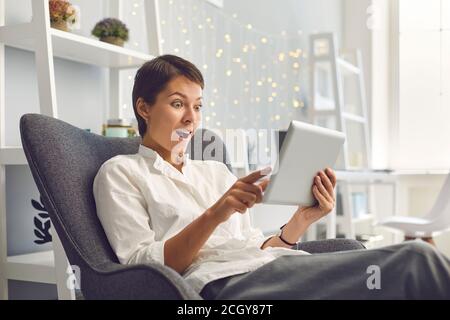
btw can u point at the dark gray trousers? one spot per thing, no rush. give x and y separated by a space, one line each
410 270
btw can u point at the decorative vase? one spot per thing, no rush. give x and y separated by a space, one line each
60 25
113 40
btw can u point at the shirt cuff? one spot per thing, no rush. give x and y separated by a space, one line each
158 251
151 252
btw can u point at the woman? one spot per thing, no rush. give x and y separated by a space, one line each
192 215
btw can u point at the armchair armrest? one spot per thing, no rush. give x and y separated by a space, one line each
330 245
136 282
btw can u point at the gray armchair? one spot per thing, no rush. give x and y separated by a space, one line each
64 161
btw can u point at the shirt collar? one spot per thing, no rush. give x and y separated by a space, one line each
160 164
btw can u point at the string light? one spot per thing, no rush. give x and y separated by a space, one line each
278 64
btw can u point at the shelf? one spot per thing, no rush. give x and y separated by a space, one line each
354 117
347 66
419 172
34 267
365 176
12 156
362 218
82 49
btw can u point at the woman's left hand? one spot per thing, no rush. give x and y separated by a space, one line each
323 191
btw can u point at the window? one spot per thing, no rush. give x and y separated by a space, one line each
423 129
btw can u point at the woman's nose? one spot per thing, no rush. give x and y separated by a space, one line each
189 115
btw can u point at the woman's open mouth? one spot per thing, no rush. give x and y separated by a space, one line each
183 133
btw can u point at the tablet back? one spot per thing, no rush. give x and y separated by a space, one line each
305 151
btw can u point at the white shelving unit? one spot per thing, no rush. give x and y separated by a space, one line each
37 267
333 78
47 43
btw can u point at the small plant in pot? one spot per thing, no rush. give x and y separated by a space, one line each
111 30
63 15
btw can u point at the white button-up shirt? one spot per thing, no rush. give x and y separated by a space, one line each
142 201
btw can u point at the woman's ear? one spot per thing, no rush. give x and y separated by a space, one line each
143 109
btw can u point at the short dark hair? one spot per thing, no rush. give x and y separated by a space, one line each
153 77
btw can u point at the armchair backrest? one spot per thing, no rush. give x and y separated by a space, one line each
64 161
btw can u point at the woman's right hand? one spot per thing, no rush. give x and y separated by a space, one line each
242 195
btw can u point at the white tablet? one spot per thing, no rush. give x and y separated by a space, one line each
306 150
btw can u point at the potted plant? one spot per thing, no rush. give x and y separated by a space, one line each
62 14
111 30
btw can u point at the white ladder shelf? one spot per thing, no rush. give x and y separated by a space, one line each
330 108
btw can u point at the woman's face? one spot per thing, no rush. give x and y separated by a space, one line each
174 117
